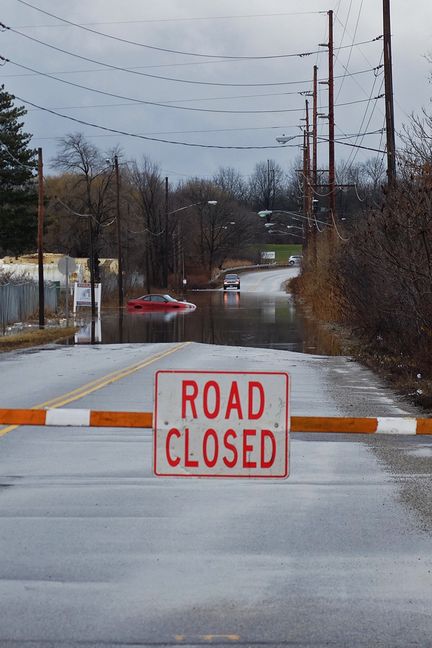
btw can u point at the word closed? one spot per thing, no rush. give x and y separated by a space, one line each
221 424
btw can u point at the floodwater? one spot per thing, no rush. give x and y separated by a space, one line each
266 320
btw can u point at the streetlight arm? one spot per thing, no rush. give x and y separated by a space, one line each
268 212
208 202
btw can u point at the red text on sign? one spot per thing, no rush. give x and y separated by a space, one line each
211 403
234 449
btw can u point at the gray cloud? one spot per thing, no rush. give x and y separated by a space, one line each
202 26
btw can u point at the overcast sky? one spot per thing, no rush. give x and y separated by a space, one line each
221 31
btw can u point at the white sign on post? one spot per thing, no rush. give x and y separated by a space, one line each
221 424
82 295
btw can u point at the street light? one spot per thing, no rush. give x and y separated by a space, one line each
285 138
267 213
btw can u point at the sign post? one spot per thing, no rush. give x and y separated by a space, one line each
66 266
221 424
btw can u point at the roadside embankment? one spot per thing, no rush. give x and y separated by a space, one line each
35 337
373 290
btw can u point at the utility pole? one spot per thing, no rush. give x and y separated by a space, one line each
389 105
332 172
305 189
314 178
309 188
165 277
308 163
92 269
268 185
119 241
40 240
315 130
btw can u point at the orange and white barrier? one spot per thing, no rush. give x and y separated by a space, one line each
75 418
313 424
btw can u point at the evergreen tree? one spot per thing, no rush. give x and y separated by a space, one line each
18 188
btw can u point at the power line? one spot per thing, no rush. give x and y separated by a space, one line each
12 156
193 19
154 76
349 163
133 103
134 69
351 50
166 141
143 101
144 137
187 132
172 51
220 130
159 104
204 83
357 146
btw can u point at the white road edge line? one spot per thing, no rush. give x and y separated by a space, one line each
69 417
387 425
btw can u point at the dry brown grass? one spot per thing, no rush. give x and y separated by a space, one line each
318 286
35 338
236 263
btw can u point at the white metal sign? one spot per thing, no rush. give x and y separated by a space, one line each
221 424
268 256
82 295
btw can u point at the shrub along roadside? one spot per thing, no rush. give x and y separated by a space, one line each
378 284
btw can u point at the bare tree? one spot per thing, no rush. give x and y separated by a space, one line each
231 181
417 139
147 197
267 185
214 232
91 188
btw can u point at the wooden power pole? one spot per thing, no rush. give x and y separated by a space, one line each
40 240
308 165
315 130
389 105
165 267
331 118
119 239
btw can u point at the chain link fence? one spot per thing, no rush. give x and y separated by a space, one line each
20 301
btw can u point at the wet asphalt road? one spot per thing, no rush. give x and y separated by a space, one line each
95 551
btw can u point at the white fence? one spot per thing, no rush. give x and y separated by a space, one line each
31 271
19 302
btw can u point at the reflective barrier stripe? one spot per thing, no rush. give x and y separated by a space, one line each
334 424
79 417
314 424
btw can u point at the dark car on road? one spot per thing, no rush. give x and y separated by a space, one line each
231 281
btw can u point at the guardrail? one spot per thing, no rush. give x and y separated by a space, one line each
247 268
311 424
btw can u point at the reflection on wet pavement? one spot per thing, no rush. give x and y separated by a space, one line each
227 318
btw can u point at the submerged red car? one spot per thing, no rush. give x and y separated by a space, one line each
158 302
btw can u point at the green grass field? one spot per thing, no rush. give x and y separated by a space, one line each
283 250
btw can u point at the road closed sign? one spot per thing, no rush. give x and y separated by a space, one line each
221 424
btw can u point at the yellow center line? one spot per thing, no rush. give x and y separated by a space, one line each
99 383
